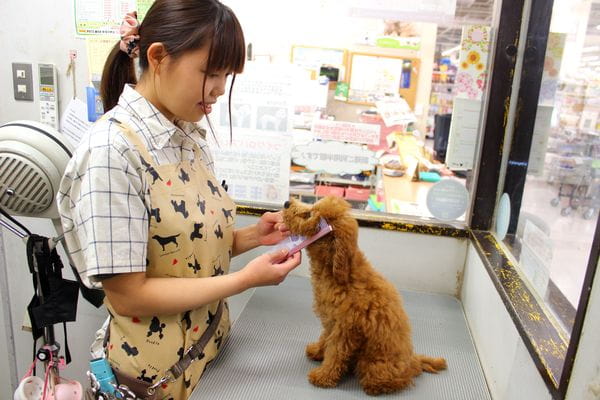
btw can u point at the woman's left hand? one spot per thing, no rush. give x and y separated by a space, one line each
271 229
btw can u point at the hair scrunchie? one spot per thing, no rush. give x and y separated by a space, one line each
130 37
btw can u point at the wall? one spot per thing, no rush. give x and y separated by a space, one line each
508 367
585 379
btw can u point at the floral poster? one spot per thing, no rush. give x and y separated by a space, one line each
554 53
472 67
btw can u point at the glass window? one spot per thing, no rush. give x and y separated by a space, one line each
561 197
373 103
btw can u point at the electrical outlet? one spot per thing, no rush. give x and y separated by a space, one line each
22 81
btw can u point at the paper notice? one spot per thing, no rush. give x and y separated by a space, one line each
74 123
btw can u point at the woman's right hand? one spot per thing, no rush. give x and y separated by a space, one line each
269 268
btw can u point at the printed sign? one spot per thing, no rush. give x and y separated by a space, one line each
255 167
462 138
334 157
94 17
346 131
472 66
552 62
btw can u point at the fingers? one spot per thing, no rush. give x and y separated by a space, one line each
277 256
291 262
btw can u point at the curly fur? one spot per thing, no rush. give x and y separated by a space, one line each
365 328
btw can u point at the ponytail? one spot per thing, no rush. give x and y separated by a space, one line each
118 70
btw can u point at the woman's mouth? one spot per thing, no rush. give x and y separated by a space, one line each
206 107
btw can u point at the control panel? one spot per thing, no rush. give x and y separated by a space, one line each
48 95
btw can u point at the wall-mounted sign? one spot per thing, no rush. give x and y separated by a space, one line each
472 70
94 17
346 131
334 157
255 167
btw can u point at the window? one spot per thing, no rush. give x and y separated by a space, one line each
360 101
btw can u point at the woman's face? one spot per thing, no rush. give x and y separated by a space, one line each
179 86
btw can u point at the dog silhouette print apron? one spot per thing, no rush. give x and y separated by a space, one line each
190 235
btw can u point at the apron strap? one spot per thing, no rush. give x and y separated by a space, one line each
135 139
195 351
191 354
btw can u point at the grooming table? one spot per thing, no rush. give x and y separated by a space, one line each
264 355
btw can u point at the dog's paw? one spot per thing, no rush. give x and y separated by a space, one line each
322 378
314 351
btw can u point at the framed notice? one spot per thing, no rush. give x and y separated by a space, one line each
375 76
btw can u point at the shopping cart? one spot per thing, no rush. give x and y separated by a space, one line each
574 176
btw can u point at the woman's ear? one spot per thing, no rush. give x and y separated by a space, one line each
156 54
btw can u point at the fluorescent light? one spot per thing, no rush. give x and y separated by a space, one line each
590 49
450 51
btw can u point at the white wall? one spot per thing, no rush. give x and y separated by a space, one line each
585 379
508 367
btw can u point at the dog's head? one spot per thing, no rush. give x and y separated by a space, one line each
340 245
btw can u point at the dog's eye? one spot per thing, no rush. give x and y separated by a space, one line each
305 214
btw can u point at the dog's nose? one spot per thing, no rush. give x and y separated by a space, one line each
286 204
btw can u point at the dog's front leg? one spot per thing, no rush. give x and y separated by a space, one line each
315 350
340 345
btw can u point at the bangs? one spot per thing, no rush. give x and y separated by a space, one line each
228 47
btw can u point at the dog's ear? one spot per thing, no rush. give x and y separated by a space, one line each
341 264
344 248
332 207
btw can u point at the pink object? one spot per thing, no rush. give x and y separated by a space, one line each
322 190
357 194
130 37
68 390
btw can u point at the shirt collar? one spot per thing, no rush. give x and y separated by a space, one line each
159 129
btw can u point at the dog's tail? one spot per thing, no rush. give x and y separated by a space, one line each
431 364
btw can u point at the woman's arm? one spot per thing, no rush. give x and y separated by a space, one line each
245 239
135 295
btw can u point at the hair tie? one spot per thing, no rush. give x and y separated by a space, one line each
130 37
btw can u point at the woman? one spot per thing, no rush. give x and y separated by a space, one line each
145 217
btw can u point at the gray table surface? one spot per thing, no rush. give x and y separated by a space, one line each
264 356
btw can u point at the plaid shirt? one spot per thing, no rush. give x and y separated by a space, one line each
104 197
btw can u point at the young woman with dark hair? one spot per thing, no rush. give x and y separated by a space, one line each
144 216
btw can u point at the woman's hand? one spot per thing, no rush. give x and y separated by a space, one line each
269 268
270 228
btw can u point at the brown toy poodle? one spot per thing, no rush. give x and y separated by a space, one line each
365 328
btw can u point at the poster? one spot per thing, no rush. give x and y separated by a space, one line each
552 62
101 17
97 49
372 77
462 138
73 122
346 131
256 167
334 157
539 141
256 162
472 72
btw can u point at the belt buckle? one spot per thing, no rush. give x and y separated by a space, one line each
167 377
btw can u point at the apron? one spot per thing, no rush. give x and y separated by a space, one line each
190 235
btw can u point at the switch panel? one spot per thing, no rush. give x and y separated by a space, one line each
22 81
